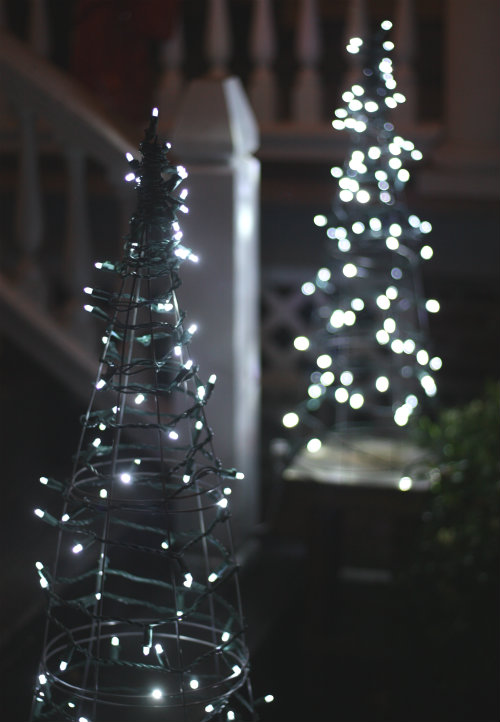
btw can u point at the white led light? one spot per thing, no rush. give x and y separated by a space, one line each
341 395
397 345
358 227
42 679
290 420
422 357
435 363
157 694
209 708
314 391
96 442
130 177
240 475
125 477
383 302
386 25
301 343
194 684
337 318
103 493
186 479
139 398
432 305
336 172
212 577
77 548
426 252
173 434
308 288
40 513
382 383
327 378
88 308
324 274
324 361
356 401
346 196
314 445
382 336
428 385
344 245
188 580
346 378
362 196
425 227
222 503
390 325
65 517
357 304
349 270
100 384
158 648
405 483
320 220
375 224
115 642
403 175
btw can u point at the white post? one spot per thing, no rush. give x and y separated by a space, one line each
262 85
215 136
29 220
356 27
172 81
405 44
218 39
307 100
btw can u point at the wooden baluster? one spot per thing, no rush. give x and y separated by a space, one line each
262 85
218 40
306 100
404 54
38 32
356 27
172 81
77 255
29 219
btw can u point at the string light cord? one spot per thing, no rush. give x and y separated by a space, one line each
144 605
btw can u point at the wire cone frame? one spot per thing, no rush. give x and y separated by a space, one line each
371 367
144 613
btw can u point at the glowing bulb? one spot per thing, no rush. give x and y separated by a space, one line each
158 648
314 391
290 420
371 106
42 679
349 270
115 642
88 308
405 483
320 220
429 385
103 493
356 401
324 274
346 378
40 513
324 361
65 517
308 288
362 196
375 224
139 398
337 318
212 577
435 363
346 196
341 395
193 328
336 172
374 152
403 175
157 694
432 305
382 384
344 245
358 227
130 177
63 665
77 548
188 580
397 345
222 503
96 442
425 227
314 445
422 357
357 304
225 636
301 343
426 252
382 337
327 378
209 708
230 715
194 684
173 434
386 25
383 302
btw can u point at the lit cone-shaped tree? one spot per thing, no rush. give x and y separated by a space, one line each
144 615
370 359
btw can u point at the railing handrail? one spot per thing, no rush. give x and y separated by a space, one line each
72 112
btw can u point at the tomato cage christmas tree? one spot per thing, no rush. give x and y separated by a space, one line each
144 614
371 363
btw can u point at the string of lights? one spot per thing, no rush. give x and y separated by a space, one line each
368 345
144 610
